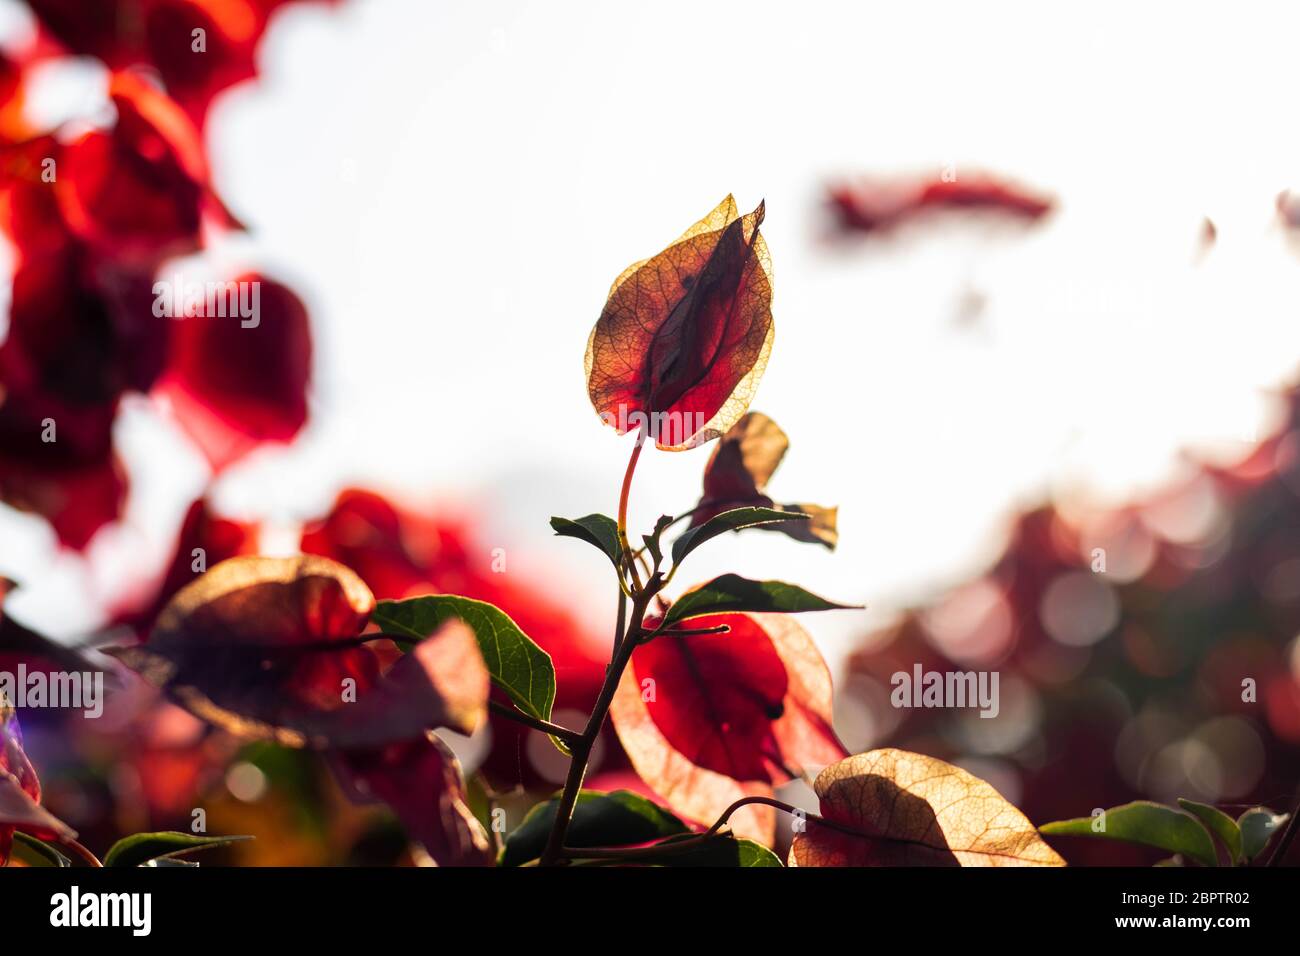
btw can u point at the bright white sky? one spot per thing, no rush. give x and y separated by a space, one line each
453 186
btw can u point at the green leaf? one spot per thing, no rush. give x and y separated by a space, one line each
652 540
1258 826
142 847
733 520
722 850
597 529
36 852
517 665
1218 823
1147 823
731 593
620 818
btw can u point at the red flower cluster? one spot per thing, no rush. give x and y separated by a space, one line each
197 47
91 218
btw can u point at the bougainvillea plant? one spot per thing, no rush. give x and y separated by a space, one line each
717 695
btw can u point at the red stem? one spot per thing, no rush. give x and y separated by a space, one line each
622 505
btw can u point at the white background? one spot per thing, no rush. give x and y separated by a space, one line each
452 187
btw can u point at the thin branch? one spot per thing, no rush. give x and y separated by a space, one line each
536 723
619 626
685 632
667 849
346 643
79 851
582 749
622 506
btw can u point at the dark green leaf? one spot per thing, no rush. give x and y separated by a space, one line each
731 593
517 665
597 529
621 818
721 850
1151 824
36 852
1219 824
733 520
142 847
1258 826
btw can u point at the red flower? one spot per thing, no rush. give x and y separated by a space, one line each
235 382
198 47
709 718
20 791
139 191
879 205
684 337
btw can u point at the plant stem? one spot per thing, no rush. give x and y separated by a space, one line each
622 507
667 849
344 643
618 628
536 723
685 632
625 644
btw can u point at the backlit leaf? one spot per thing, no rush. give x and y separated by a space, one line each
737 474
269 648
235 382
421 781
37 853
1147 823
215 537
1219 824
139 190
709 718
597 529
140 848
685 335
907 809
734 520
517 665
731 593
